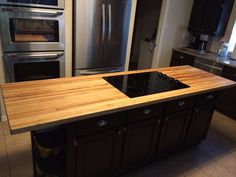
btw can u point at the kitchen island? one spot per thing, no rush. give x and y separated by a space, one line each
85 127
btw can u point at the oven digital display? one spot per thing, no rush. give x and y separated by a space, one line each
33 30
40 2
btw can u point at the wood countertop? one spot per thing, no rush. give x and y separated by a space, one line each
39 104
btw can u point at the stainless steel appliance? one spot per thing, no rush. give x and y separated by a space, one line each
101 34
28 66
56 4
31 29
208 65
32 39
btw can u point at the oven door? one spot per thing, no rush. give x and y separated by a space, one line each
34 66
56 4
31 29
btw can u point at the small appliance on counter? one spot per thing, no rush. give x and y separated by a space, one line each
199 42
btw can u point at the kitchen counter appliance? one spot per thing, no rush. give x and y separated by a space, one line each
101 33
134 85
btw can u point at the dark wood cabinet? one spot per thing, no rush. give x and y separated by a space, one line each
99 155
199 124
109 145
173 132
140 143
210 16
179 58
226 101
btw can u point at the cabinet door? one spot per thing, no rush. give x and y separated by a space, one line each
199 124
227 97
212 16
99 155
197 15
173 132
140 143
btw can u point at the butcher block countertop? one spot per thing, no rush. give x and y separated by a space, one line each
39 104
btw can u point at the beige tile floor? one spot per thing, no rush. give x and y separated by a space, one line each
215 157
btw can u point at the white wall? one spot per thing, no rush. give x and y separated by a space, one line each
172 29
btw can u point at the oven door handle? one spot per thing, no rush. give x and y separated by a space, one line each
34 11
44 55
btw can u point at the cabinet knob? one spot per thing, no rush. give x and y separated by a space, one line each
124 129
182 103
182 57
167 119
102 123
119 132
75 142
197 110
147 111
159 121
209 97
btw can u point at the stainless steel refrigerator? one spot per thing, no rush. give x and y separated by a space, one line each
100 35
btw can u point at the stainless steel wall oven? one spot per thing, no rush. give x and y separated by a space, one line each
55 4
32 39
29 66
31 29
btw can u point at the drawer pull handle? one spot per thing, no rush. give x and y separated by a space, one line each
102 123
182 57
147 111
182 103
209 97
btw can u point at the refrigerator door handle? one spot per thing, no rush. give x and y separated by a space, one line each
109 22
103 23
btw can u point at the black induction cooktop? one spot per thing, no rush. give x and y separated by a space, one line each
135 85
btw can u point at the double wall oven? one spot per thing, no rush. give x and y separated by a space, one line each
33 43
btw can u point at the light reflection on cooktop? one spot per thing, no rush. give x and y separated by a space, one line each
135 85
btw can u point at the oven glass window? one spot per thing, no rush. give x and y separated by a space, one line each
32 30
40 2
36 70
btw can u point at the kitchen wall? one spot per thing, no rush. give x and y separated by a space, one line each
172 30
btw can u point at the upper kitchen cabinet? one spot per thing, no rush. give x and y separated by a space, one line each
210 16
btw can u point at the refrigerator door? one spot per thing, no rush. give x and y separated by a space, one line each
118 19
90 34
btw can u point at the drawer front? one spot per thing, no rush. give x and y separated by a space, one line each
209 98
179 104
146 112
100 123
229 73
179 58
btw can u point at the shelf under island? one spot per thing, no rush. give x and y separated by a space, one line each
85 127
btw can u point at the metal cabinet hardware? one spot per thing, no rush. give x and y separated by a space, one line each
75 142
182 57
147 111
182 103
102 123
209 97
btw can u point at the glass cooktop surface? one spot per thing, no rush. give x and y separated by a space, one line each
135 85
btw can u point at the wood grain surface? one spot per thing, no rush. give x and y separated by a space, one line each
39 104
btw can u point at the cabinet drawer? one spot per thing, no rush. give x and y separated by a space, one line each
179 104
100 123
179 58
209 98
144 112
229 73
